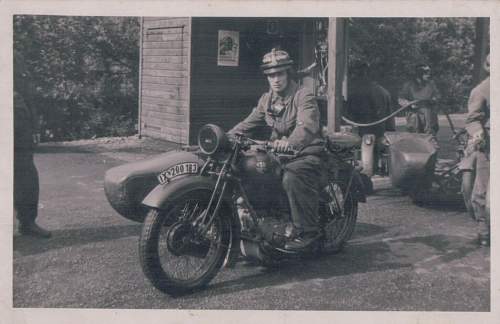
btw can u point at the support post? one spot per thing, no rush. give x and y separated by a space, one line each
337 58
139 101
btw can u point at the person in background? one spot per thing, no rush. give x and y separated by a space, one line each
422 118
26 185
368 102
291 112
477 153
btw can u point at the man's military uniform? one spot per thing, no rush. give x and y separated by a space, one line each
477 153
295 116
25 173
425 119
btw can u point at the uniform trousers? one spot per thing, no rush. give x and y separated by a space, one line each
303 178
26 187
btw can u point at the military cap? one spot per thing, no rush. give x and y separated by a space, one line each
276 61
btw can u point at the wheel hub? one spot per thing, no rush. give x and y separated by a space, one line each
181 240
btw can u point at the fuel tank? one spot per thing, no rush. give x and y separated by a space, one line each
260 173
127 185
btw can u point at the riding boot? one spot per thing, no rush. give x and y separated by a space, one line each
301 240
33 229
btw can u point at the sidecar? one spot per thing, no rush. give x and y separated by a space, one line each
127 185
411 159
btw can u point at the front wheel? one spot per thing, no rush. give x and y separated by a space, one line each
174 256
339 213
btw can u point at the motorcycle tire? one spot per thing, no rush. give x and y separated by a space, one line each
153 246
344 221
466 188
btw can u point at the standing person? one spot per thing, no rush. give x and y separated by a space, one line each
477 156
26 186
293 116
368 102
423 118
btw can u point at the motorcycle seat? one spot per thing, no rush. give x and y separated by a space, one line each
342 140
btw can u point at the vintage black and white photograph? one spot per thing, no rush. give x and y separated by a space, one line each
251 163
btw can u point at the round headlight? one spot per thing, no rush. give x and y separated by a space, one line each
212 139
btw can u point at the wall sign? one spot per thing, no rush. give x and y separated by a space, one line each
229 48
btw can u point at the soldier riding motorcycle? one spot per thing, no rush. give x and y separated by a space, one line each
292 196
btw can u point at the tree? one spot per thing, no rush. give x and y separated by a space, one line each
83 71
394 46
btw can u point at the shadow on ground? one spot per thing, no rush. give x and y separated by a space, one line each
358 258
26 245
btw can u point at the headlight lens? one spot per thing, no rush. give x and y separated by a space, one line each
212 139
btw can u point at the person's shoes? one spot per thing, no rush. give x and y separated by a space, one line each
483 239
32 229
301 242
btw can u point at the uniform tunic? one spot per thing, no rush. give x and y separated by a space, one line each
477 120
295 116
425 120
369 102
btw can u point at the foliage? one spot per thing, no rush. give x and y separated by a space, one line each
394 46
83 72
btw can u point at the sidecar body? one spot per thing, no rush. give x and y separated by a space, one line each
411 158
127 185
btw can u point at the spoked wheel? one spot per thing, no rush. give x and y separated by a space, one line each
174 256
339 213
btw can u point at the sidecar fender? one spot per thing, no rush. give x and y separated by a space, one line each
126 185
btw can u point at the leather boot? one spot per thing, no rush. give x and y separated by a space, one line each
32 229
301 241
483 239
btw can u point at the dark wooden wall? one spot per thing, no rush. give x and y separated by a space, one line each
165 78
224 95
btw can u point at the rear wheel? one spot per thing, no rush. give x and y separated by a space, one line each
338 212
174 256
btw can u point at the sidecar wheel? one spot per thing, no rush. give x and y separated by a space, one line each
338 224
173 258
467 185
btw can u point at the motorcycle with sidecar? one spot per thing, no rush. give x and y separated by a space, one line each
209 206
411 162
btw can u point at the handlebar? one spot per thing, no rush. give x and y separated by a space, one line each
267 146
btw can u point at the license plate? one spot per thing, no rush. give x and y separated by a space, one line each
177 170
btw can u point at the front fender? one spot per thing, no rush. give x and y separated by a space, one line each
163 194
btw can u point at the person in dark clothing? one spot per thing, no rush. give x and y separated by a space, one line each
293 115
26 185
423 118
368 102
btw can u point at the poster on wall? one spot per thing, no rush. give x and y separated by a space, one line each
229 48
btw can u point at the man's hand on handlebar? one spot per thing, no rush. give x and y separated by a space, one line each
281 146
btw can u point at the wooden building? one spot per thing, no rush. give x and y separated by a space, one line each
206 70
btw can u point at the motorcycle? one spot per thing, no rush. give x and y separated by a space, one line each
209 206
411 162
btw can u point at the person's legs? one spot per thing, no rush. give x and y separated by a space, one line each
479 196
302 181
26 193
